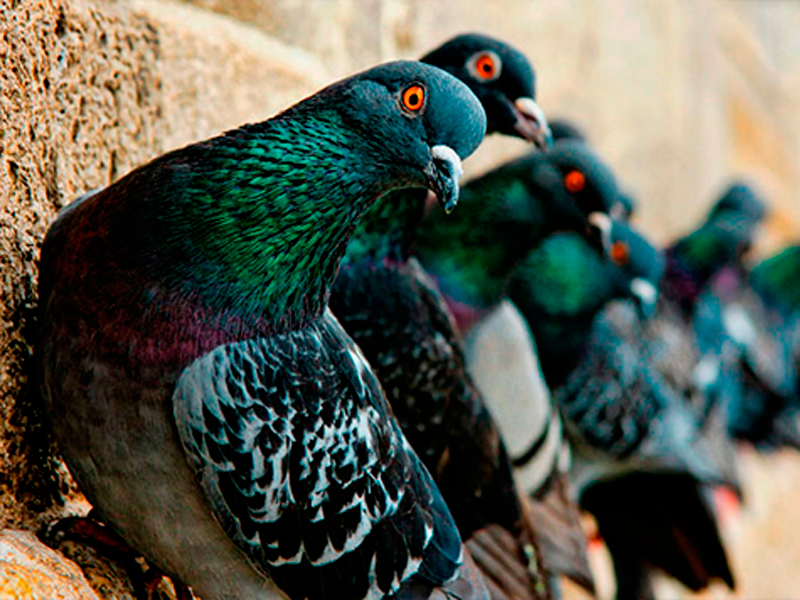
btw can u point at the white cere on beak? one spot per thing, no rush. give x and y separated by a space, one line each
644 290
448 172
448 155
618 212
604 223
531 110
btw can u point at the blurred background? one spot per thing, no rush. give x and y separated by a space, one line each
677 96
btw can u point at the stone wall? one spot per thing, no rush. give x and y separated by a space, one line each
89 90
676 95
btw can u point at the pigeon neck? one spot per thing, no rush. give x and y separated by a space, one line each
256 221
690 264
473 252
695 259
777 280
559 289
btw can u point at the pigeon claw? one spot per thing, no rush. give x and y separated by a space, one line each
144 577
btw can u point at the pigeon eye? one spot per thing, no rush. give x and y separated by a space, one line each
414 98
574 181
485 66
620 254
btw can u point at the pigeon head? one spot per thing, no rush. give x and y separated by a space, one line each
635 266
506 212
421 121
590 186
563 129
588 180
736 217
567 188
502 78
574 187
740 198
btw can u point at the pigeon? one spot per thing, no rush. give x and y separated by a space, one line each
686 339
517 205
624 422
205 398
502 78
762 318
686 343
386 301
711 327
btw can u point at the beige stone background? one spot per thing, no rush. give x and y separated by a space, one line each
677 94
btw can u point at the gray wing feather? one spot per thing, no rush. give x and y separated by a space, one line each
291 440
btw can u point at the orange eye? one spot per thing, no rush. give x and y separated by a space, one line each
574 181
414 98
620 253
485 66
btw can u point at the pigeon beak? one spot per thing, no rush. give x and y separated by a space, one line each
444 172
603 224
646 295
531 123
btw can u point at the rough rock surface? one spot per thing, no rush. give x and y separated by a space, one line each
29 570
78 106
87 92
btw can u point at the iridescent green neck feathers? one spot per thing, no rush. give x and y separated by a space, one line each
256 221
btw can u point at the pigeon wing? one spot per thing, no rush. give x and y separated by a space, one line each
304 467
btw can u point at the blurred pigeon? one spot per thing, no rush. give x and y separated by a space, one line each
517 205
624 421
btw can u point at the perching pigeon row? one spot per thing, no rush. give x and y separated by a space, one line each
277 369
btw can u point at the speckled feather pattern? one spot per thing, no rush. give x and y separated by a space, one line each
608 397
400 321
288 438
392 315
